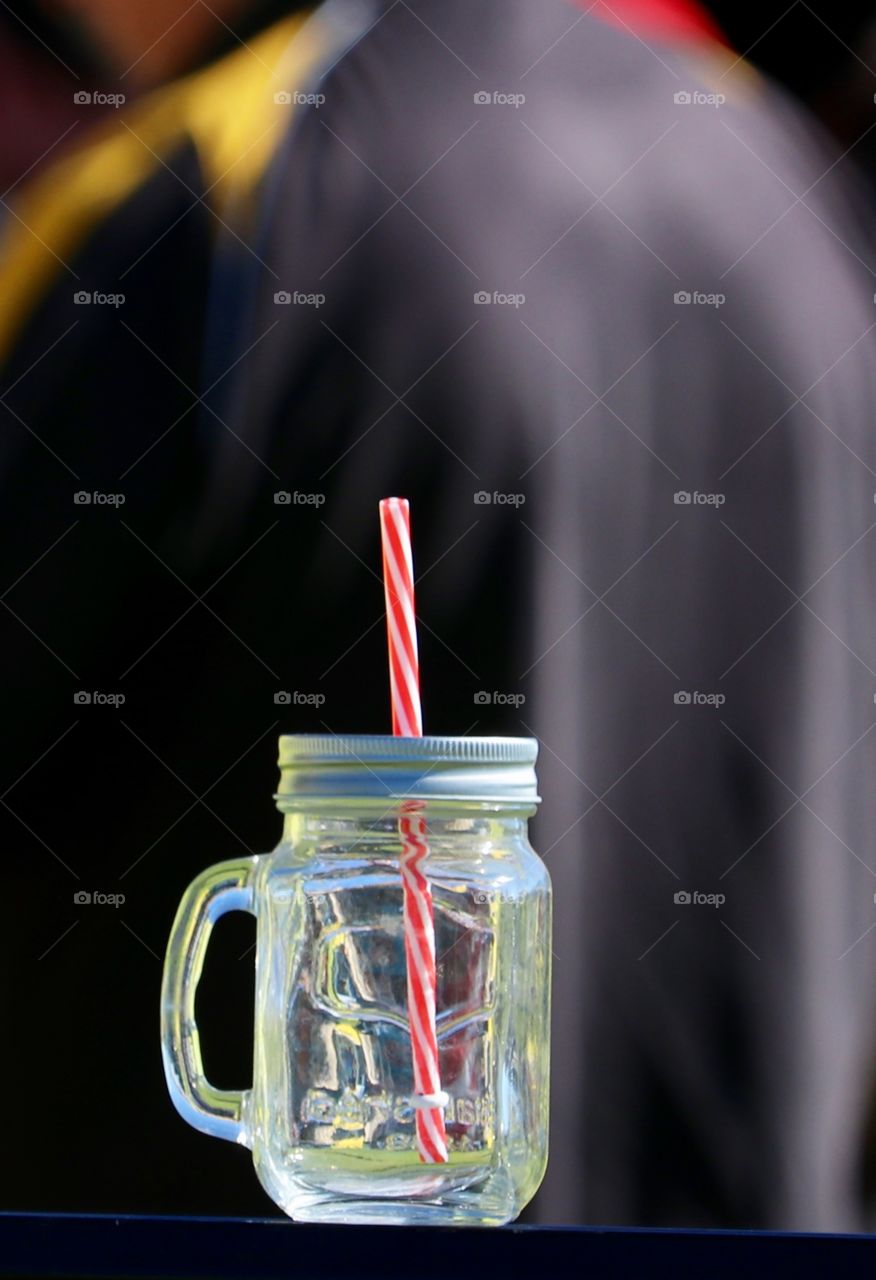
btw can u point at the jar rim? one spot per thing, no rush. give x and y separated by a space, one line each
314 748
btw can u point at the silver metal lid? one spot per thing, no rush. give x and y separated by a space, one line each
488 770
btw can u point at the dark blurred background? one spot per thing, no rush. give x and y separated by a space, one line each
199 616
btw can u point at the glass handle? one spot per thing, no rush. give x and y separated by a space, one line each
218 890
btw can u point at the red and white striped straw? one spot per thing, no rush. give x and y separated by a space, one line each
419 925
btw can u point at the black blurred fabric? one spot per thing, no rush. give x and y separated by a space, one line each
806 46
824 53
711 1065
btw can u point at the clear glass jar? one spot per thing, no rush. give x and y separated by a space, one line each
329 1117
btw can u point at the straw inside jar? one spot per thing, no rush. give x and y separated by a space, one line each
419 925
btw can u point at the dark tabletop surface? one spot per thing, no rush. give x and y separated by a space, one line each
103 1245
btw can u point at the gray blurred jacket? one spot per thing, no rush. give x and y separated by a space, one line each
641 324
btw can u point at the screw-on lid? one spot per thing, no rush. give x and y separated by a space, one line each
488 770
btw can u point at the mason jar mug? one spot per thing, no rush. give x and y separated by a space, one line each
331 1115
